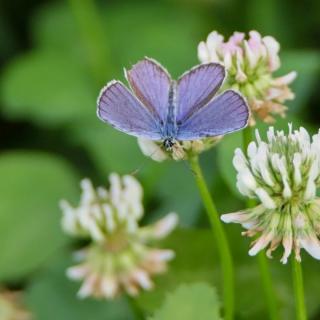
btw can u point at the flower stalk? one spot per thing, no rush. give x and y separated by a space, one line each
297 277
220 236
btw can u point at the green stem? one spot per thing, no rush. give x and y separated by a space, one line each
269 291
298 290
220 237
265 273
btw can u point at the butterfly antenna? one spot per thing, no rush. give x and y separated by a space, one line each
188 166
137 170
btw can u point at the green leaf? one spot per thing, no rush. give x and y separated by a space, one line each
31 186
53 296
54 27
189 302
197 261
47 88
155 30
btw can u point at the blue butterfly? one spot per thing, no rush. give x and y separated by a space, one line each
162 109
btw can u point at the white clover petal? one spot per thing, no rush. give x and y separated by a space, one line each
261 243
142 278
243 189
110 223
203 52
251 56
88 193
165 226
273 48
297 161
311 244
214 42
314 172
265 198
69 219
161 255
270 134
240 75
115 188
87 288
227 60
239 160
247 179
284 80
252 150
287 245
109 287
150 149
77 272
236 217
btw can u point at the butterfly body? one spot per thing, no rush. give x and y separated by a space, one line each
169 127
162 109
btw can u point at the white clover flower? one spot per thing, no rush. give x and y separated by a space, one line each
250 64
181 150
118 258
11 307
283 173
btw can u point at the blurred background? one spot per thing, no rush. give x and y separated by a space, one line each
54 58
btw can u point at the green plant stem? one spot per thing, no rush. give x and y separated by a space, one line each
269 291
265 273
298 290
220 237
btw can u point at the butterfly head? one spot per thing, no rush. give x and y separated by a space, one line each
168 143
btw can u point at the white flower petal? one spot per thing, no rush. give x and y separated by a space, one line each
109 287
142 278
88 287
150 149
312 245
77 272
285 80
203 53
261 243
265 198
273 48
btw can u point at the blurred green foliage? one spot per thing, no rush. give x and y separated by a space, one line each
54 58
188 301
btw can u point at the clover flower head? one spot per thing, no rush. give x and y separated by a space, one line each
250 64
283 173
119 257
181 150
10 306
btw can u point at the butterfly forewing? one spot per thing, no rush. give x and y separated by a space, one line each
118 107
226 113
151 84
196 88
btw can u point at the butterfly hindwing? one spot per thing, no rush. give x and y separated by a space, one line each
118 107
226 113
197 87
